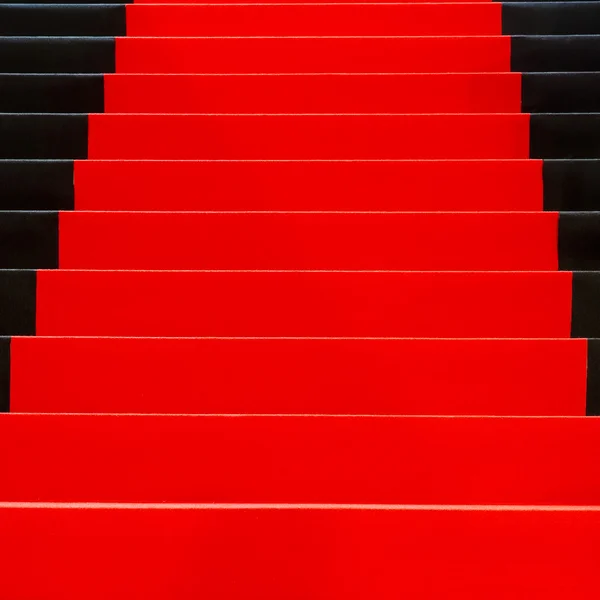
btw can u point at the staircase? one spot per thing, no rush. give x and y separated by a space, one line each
300 301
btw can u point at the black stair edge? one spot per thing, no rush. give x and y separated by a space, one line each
51 2
593 378
5 374
585 309
571 185
17 302
560 135
62 19
33 93
37 185
550 18
29 240
560 92
579 241
555 53
57 54
43 136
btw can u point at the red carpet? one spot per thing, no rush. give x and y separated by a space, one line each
310 185
308 309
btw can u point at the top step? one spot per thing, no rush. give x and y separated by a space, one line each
339 18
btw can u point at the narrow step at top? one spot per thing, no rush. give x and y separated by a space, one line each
281 19
304 459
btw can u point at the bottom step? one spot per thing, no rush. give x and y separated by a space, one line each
64 552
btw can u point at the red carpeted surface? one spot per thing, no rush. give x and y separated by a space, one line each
353 185
309 330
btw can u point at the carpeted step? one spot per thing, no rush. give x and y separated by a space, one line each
303 241
308 136
295 185
64 552
160 20
313 54
299 137
283 458
566 185
419 19
300 303
103 136
418 241
301 376
299 54
302 93
327 185
319 93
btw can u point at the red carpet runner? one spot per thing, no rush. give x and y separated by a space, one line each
308 332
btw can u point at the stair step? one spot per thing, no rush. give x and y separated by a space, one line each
62 552
318 93
313 185
313 136
300 303
305 241
198 20
280 458
302 376
312 54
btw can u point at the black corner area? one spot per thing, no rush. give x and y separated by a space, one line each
585 311
575 135
37 136
36 185
560 92
556 53
550 18
4 374
62 19
571 185
57 55
579 241
28 240
32 93
593 378
17 302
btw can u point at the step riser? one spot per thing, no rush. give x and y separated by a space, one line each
339 93
486 18
308 137
56 553
300 137
274 304
388 460
299 376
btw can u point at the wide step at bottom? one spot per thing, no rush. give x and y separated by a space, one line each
296 552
